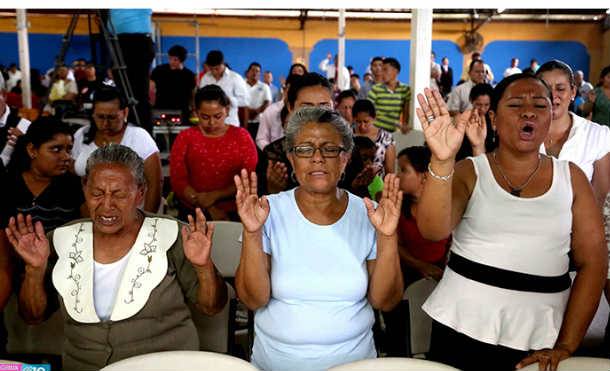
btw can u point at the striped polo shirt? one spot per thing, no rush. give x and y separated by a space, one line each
389 104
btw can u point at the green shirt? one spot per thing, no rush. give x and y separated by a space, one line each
375 187
601 108
389 104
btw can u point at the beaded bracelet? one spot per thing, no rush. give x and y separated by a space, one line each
443 178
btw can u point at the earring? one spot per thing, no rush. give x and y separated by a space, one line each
293 177
342 177
493 139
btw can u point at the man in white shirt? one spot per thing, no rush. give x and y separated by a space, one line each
260 97
459 98
489 76
14 75
582 86
513 69
231 83
11 127
331 72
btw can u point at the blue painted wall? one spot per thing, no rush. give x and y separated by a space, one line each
358 54
43 49
272 54
499 53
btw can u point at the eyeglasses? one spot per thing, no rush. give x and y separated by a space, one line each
327 151
109 118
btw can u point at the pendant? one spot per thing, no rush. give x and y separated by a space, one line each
515 192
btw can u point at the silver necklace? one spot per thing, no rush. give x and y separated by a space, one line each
516 191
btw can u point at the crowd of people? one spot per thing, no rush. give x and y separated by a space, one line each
336 223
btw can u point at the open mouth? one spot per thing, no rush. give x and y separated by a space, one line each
107 220
527 131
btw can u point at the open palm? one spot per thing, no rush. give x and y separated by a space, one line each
385 217
443 137
252 211
197 239
29 240
476 129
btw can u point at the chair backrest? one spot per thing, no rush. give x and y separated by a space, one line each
181 360
420 324
215 331
392 364
226 248
23 338
578 363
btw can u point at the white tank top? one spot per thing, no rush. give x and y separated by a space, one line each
526 235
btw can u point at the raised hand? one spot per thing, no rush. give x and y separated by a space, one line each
385 217
252 211
13 135
476 131
29 240
443 137
277 176
197 239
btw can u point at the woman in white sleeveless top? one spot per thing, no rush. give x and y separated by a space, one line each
505 299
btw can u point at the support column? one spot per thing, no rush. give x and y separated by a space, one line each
341 47
421 46
24 58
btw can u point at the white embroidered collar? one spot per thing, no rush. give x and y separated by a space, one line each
73 273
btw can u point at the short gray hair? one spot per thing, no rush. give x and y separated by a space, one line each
320 115
117 154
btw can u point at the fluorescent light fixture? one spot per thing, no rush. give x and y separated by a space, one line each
608 11
501 10
595 18
231 12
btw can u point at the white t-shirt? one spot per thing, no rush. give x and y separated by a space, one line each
134 137
586 143
259 93
511 71
459 98
107 279
318 315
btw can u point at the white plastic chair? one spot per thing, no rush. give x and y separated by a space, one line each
578 363
216 333
420 324
181 361
392 364
226 249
